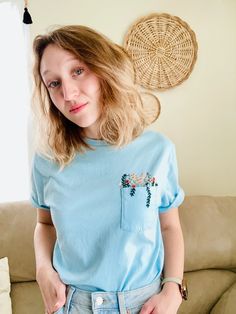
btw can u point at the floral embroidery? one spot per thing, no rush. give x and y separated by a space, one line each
144 180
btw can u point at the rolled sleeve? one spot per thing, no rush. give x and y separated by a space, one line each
172 194
37 187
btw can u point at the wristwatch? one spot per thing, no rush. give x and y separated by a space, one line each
181 283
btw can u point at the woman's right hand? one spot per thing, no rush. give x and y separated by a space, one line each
53 290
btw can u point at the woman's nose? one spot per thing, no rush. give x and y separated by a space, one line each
70 90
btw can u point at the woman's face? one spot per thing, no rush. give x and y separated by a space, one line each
73 88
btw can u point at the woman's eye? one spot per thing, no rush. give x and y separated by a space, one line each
53 84
79 71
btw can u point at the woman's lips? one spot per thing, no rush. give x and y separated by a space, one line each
77 108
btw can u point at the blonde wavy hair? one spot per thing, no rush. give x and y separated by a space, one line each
122 114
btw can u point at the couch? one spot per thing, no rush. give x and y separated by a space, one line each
209 227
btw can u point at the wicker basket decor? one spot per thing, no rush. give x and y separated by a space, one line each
151 105
163 49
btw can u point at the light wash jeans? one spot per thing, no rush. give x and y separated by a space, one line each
128 302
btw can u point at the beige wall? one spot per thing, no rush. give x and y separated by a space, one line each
200 114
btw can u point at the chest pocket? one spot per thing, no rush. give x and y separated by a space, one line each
138 208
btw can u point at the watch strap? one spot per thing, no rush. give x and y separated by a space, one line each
172 279
181 283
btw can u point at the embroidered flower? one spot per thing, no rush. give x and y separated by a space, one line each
144 180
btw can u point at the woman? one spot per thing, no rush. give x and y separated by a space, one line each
106 190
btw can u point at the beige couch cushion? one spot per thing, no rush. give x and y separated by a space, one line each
26 298
227 303
205 288
18 246
5 287
209 232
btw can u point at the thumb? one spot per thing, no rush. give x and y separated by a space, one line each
58 305
61 298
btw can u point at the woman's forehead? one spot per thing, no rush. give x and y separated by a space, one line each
55 56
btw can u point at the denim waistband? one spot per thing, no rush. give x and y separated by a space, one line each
121 301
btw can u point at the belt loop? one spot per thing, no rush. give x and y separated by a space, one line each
121 301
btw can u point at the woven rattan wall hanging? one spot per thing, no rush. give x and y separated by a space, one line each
152 107
163 49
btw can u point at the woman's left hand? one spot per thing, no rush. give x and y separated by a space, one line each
166 302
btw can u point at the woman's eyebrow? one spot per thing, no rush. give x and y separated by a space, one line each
67 60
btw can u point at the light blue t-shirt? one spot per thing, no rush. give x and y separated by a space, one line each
105 207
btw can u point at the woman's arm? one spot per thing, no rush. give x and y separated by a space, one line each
169 299
173 246
53 290
44 240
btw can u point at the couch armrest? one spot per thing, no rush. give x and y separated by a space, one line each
17 223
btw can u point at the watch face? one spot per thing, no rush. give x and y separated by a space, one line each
184 290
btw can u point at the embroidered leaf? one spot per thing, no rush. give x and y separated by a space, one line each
132 191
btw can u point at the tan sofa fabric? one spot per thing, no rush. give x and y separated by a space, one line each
17 223
205 289
26 298
210 263
226 304
209 231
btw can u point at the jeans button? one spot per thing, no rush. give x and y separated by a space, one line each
99 301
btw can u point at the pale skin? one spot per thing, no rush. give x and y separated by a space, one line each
169 299
71 84
54 290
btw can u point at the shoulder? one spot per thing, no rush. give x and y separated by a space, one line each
44 165
156 139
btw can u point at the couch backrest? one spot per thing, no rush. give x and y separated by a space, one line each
208 225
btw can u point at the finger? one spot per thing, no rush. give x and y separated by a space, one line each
45 304
61 292
48 300
57 306
146 309
51 302
61 298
